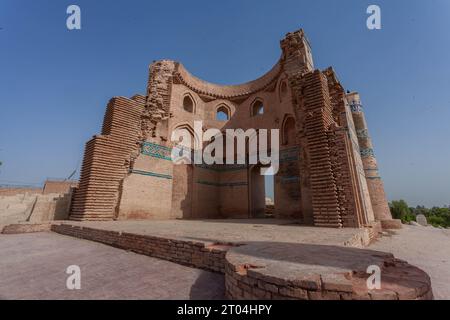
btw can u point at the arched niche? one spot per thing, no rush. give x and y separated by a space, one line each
283 90
188 103
186 127
288 131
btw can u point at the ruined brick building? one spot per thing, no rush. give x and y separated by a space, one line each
328 172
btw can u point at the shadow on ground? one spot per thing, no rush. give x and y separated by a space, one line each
207 287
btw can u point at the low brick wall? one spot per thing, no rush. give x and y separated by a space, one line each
251 286
399 281
201 255
25 228
245 284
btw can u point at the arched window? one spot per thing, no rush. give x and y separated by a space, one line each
222 113
257 108
188 104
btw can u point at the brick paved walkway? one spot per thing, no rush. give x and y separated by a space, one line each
32 266
229 230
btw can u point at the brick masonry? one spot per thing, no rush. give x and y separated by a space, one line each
246 279
25 228
251 273
106 161
327 185
208 256
243 284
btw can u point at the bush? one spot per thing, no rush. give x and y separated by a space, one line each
436 216
400 210
436 221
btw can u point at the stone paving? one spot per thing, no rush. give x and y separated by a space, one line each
33 266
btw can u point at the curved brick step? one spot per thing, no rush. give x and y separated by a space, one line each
319 272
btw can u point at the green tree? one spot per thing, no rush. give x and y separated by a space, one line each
437 221
421 210
436 216
400 210
439 217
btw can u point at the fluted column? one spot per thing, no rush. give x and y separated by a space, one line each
374 182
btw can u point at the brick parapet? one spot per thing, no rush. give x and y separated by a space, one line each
223 91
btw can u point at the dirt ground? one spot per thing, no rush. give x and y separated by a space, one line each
425 247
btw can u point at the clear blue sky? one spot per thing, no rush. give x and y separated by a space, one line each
55 83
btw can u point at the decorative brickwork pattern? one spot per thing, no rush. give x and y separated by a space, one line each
226 92
156 150
107 161
312 93
345 167
375 184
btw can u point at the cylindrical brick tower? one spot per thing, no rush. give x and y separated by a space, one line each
374 183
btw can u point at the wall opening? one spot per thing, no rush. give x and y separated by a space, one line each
222 114
261 193
188 104
257 108
183 181
269 190
182 195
